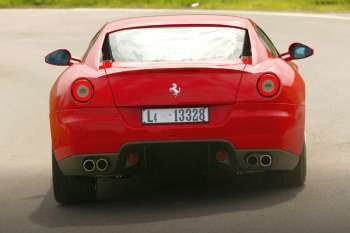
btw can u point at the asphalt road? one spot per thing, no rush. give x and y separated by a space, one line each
26 200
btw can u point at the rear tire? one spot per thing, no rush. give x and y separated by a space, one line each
296 177
72 189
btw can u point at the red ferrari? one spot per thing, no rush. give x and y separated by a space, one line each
185 94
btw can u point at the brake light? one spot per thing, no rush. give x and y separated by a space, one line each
268 85
82 90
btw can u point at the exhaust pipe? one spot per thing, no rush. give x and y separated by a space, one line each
102 165
252 160
89 165
265 160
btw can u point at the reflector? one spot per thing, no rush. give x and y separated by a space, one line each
221 155
133 158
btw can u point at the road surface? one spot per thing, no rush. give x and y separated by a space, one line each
26 200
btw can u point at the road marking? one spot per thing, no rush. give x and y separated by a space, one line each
198 11
290 14
286 14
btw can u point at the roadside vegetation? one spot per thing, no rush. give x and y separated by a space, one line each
276 5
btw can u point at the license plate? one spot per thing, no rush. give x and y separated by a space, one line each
175 115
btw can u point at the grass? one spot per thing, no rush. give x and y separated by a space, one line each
275 5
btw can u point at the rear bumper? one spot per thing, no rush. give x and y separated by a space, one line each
277 128
203 152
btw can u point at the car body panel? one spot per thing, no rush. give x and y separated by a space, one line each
238 113
150 86
97 130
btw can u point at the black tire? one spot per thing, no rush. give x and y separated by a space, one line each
297 177
72 189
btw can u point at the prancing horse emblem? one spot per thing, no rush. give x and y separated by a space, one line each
174 89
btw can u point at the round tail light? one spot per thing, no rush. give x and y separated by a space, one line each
82 90
268 85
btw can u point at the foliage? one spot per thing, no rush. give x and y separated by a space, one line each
288 5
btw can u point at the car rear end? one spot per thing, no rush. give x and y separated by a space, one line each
180 99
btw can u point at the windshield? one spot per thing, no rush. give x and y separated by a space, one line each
174 44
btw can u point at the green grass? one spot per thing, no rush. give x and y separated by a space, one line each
285 5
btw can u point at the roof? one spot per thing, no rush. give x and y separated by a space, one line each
197 19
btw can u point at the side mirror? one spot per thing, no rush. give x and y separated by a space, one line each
60 57
298 51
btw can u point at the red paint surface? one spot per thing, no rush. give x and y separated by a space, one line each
238 113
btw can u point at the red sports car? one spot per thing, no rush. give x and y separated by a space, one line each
180 94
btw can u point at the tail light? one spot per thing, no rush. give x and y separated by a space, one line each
268 85
82 90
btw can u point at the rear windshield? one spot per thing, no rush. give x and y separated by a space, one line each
174 44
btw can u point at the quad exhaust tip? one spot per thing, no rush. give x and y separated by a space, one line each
259 160
102 165
265 160
89 165
252 160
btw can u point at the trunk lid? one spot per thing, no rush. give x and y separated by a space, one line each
171 86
